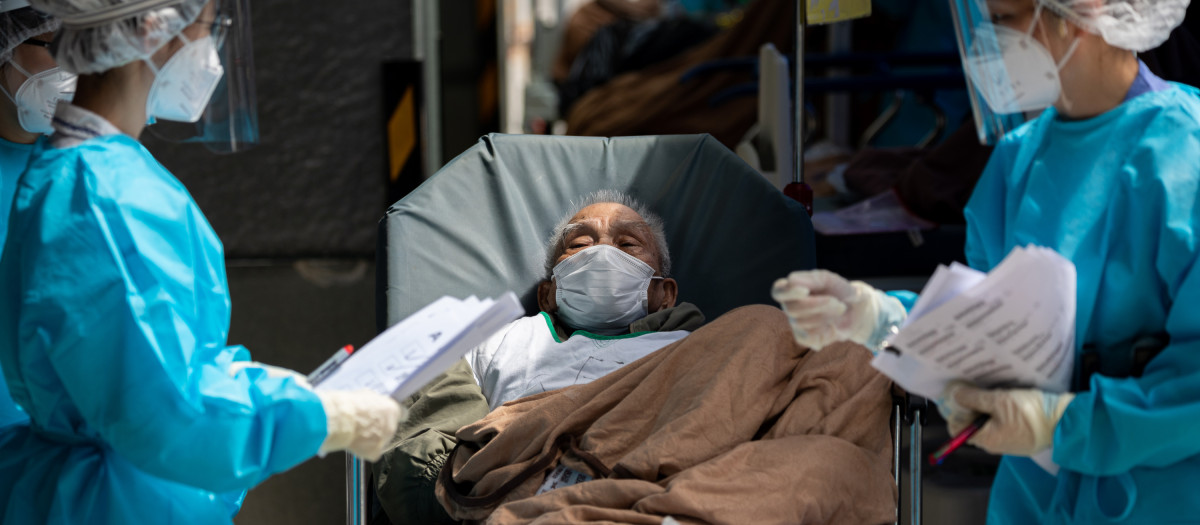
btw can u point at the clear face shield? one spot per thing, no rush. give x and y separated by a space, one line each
229 123
1011 77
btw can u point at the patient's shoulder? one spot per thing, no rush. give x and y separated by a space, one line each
482 356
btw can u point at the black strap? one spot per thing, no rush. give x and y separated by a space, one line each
1141 352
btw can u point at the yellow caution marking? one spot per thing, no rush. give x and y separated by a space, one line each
402 134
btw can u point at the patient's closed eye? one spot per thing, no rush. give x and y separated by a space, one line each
582 241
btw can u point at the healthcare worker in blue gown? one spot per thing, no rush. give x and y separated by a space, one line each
1109 177
32 85
114 307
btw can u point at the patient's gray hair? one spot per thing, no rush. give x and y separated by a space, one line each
652 220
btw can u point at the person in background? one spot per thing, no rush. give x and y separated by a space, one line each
114 307
1109 177
32 84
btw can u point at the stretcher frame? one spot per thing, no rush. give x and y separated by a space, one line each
708 170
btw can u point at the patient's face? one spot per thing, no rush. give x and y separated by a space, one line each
621 227
615 225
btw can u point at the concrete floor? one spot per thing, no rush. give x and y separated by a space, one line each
295 314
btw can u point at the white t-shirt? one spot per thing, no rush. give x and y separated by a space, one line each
526 357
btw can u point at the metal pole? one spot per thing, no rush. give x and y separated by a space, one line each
797 189
798 153
428 33
897 414
356 498
914 466
503 37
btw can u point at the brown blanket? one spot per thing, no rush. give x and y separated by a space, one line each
733 424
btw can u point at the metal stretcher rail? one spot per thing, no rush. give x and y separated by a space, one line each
908 410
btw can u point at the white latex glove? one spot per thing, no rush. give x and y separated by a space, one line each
272 371
824 308
1022 421
361 422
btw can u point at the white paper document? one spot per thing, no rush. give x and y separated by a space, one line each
1013 327
408 355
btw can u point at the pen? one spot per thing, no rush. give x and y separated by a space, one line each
330 365
940 454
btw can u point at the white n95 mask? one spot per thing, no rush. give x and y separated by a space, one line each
1023 77
184 85
602 289
38 96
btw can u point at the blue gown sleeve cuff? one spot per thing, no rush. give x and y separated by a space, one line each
906 298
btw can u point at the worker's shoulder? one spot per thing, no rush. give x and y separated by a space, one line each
123 169
1176 109
1163 164
108 158
117 174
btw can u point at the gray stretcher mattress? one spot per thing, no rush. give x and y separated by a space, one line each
480 224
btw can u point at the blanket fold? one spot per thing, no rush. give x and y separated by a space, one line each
733 424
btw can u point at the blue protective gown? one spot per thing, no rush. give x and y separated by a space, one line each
1118 195
114 312
13 157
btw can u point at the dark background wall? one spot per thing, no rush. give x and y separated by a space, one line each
316 184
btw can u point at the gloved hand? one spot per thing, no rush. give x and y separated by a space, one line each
361 422
824 308
1022 421
271 370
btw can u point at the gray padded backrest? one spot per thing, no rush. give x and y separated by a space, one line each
479 226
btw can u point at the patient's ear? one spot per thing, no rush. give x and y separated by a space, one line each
670 292
545 297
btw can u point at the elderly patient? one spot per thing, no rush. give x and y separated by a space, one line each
614 381
607 301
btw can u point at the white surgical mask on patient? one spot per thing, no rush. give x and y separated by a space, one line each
602 289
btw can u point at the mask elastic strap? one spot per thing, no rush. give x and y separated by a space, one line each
27 74
14 64
5 91
653 277
153 68
1066 102
1070 52
1037 21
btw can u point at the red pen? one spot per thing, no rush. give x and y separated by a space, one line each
940 454
330 365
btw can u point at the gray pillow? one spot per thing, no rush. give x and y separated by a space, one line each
480 224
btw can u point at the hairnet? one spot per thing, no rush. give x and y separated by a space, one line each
98 35
1136 25
18 25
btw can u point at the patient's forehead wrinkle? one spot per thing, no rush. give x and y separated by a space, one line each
571 228
631 226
